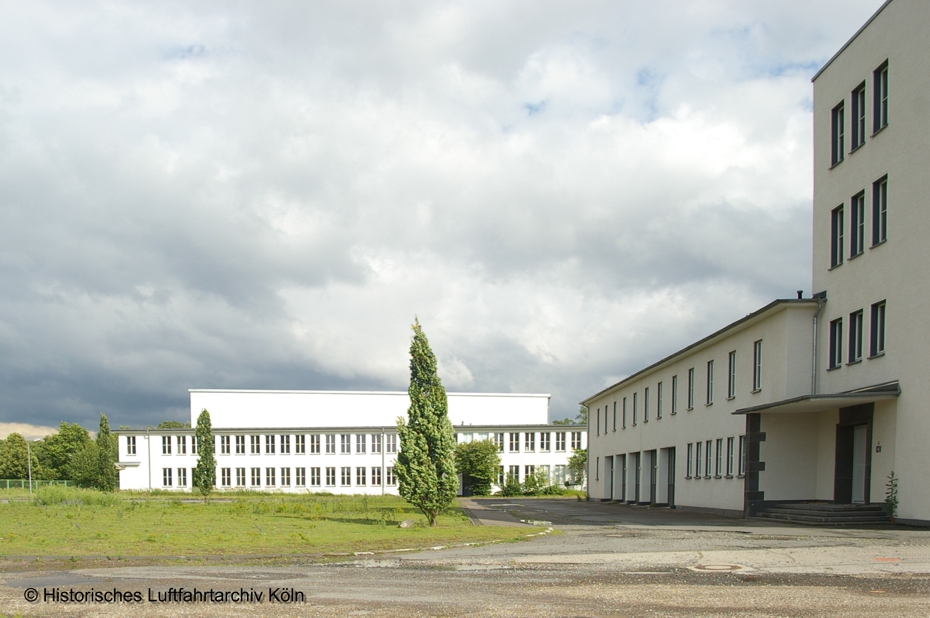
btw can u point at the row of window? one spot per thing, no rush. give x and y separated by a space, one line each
659 395
281 477
857 208
856 328
708 459
278 444
529 440
556 475
859 115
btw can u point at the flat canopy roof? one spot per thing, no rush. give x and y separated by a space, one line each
807 404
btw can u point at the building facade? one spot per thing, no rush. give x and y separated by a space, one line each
333 441
817 399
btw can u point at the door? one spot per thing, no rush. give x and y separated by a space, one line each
653 475
860 448
671 478
609 477
639 471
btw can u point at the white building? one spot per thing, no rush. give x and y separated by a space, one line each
337 442
814 399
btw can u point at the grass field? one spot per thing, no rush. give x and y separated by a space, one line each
72 522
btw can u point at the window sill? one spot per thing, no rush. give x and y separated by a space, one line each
857 148
835 164
688 409
878 244
689 477
878 355
645 420
758 390
707 476
708 404
835 266
854 256
729 476
674 413
658 418
880 129
834 368
717 476
740 476
854 362
731 397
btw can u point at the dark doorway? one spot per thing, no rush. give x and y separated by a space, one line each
639 471
853 468
671 478
653 475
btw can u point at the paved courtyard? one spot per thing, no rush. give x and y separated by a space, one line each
598 560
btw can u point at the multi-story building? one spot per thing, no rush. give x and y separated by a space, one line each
817 399
337 442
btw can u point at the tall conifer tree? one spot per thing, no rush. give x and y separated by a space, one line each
205 472
425 465
108 478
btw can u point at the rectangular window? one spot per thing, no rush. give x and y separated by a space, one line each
646 405
193 445
314 477
300 445
528 471
731 375
544 441
836 343
330 477
514 442
389 478
255 445
300 477
698 460
269 477
718 467
877 338
345 444
880 89
659 400
500 476
623 414
391 443
360 476
597 425
529 442
858 116
836 237
376 443
256 477
166 445
330 444
691 388
615 416
757 366
742 455
269 445
880 211
285 442
513 472
346 474
376 477
837 127
576 440
498 439
182 477
855 336
708 453
130 445
315 445
675 394
225 477
560 441
182 445
710 382
224 445
240 445
635 402
166 477
360 445
240 477
285 477
730 446
857 231
690 459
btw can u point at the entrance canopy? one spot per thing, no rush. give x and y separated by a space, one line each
806 404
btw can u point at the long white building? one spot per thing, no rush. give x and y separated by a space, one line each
822 398
335 441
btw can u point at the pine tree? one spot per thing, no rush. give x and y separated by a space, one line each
108 477
425 465
205 472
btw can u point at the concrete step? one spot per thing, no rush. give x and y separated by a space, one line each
827 514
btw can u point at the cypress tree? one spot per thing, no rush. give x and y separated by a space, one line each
425 465
205 472
108 477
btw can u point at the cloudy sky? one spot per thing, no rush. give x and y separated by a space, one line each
265 194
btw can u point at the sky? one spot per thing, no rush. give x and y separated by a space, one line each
265 195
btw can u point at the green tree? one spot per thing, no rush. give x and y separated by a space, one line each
56 451
84 468
173 425
425 465
108 477
205 472
477 462
578 466
580 419
14 459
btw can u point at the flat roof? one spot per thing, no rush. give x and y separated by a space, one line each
851 39
808 404
183 431
404 393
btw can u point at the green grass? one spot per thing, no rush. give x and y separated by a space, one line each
74 522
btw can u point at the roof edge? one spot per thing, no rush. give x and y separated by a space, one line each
404 393
849 42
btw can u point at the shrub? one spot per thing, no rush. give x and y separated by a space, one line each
59 494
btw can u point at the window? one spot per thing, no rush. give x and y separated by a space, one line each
390 479
615 416
330 444
718 467
757 366
857 231
269 445
576 440
240 477
240 445
360 477
166 445
391 443
528 471
300 445
858 116
269 477
877 339
690 459
513 472
376 477
345 444
544 441
314 445
166 477
837 125
731 375
182 477
710 382
182 445
360 444
836 343
254 445
314 477
514 442
285 477
256 477
646 405
330 477
880 89
730 446
130 445
697 459
597 468
675 394
500 476
635 401
346 474
855 336
623 414
498 439
691 388
708 452
224 445
742 455
376 443
560 441
659 400
836 237
193 445
529 442
880 211
285 445
597 425
300 477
